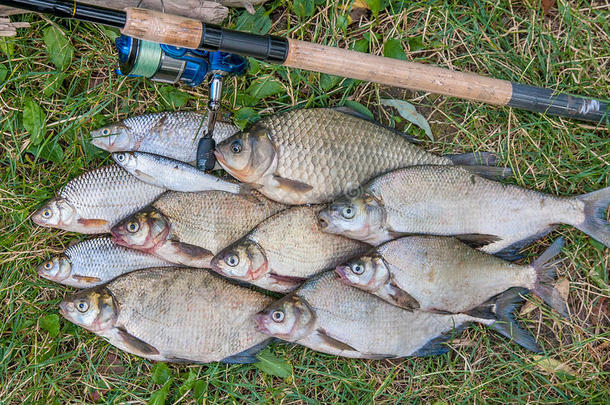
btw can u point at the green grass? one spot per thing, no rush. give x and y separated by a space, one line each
568 50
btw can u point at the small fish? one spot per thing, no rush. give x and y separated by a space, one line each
441 274
328 316
190 228
171 174
96 261
284 250
96 200
312 156
455 201
172 314
171 134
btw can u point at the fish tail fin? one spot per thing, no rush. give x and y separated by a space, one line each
545 268
595 224
500 308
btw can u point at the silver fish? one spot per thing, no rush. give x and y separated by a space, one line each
331 317
455 201
96 261
96 200
171 134
441 274
172 314
171 174
284 250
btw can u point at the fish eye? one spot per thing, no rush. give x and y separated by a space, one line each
46 213
232 260
236 146
277 316
120 157
48 265
105 131
133 227
82 306
348 212
357 269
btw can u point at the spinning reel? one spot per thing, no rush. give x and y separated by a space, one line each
171 64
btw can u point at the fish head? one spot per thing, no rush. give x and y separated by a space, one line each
290 318
144 230
244 260
367 272
247 155
56 269
56 213
94 309
357 217
127 160
113 138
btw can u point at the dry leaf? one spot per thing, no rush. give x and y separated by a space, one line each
547 5
359 9
552 365
563 286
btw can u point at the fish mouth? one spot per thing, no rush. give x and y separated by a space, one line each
260 324
342 272
41 273
220 158
117 238
325 223
63 310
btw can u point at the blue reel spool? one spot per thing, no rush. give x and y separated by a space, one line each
170 64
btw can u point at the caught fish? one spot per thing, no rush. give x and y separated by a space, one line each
455 201
284 250
96 261
172 134
189 228
328 316
96 200
441 274
172 314
171 174
313 155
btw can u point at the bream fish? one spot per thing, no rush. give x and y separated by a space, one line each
452 200
442 274
96 200
313 155
96 261
284 250
171 174
328 316
190 228
171 134
175 315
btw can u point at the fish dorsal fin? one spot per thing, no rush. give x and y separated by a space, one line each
248 355
477 240
159 124
135 344
354 113
400 297
292 185
334 343
488 172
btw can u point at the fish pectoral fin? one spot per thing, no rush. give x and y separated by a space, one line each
334 343
474 159
92 222
191 255
378 356
86 279
488 172
247 356
293 186
145 177
400 297
278 278
477 240
135 344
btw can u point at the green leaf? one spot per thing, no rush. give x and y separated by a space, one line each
375 6
53 83
245 116
173 97
257 23
254 66
265 87
3 73
50 323
268 363
408 112
161 373
416 43
354 105
7 46
33 120
59 48
361 45
51 152
393 49
158 397
327 82
188 383
111 33
303 8
199 389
